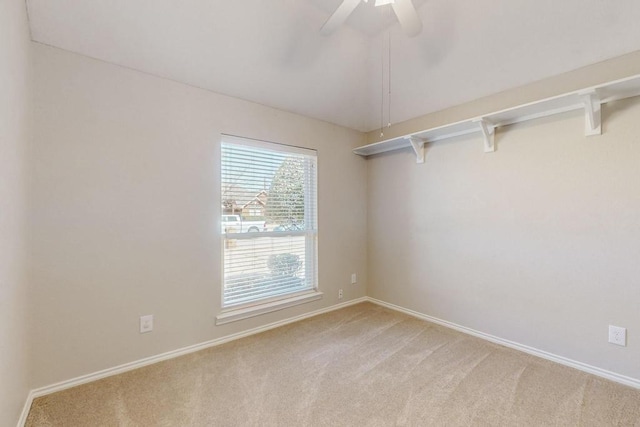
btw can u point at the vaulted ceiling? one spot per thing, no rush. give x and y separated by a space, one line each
271 51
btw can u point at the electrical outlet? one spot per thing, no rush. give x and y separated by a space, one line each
618 335
354 279
340 294
146 323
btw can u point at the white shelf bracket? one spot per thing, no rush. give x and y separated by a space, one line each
418 147
489 133
592 113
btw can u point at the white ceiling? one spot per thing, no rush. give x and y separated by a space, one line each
271 51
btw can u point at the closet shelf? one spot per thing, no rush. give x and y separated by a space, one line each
588 99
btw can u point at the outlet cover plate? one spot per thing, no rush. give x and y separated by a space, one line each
354 279
146 323
617 335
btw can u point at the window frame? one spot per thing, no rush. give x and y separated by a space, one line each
233 312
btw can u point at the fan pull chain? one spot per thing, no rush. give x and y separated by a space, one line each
382 90
389 85
388 81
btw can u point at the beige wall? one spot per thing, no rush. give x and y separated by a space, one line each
537 243
125 202
14 134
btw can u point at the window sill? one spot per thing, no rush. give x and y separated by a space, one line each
233 315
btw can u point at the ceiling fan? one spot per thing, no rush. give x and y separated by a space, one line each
404 10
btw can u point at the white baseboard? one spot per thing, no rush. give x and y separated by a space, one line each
25 409
63 385
622 379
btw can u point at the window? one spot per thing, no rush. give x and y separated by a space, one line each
278 262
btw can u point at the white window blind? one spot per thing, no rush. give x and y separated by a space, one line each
269 211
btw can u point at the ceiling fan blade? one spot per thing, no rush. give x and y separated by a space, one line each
339 16
408 17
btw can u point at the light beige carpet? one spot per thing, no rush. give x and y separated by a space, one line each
359 366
